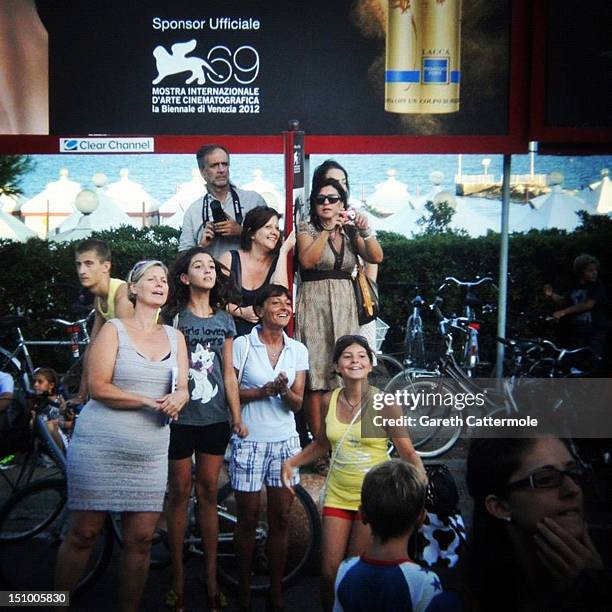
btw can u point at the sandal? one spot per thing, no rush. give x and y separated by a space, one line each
218 601
175 601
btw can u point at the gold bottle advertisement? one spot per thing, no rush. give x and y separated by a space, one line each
423 71
402 71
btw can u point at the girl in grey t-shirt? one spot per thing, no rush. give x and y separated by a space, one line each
199 293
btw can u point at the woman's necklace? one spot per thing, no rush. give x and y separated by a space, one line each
353 406
275 353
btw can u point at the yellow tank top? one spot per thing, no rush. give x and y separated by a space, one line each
355 458
113 285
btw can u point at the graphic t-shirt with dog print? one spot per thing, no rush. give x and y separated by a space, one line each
205 338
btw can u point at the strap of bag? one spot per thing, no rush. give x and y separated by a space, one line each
244 359
342 439
364 285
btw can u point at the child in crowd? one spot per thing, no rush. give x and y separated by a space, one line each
384 578
56 412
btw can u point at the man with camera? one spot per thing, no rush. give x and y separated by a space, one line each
216 221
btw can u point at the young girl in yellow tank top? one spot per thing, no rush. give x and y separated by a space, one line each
344 411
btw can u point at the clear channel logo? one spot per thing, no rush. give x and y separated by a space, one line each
107 145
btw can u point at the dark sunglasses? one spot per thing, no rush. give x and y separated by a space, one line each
332 199
549 478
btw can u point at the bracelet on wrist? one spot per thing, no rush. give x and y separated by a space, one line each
365 233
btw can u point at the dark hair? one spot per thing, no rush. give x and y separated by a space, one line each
50 375
314 217
224 291
254 220
492 568
268 291
99 247
582 261
321 171
392 499
344 342
203 152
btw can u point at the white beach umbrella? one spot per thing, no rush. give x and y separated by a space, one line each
390 196
266 189
602 194
52 205
10 204
556 209
186 193
12 228
132 195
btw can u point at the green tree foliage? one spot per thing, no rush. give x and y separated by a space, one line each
438 218
12 168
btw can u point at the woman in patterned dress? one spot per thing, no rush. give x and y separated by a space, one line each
327 248
118 457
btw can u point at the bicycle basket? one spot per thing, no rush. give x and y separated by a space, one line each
381 332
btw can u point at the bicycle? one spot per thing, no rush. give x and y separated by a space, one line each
414 340
471 354
304 539
33 523
446 380
18 362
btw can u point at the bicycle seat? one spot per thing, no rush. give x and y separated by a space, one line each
11 321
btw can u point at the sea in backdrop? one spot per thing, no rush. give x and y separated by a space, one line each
160 174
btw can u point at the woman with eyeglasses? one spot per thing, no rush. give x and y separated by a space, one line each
327 249
117 460
530 547
260 260
358 442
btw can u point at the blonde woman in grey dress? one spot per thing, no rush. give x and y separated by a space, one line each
327 249
118 458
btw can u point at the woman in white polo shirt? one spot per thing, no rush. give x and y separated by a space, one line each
272 372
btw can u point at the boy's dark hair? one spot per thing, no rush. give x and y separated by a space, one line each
392 499
254 220
203 152
99 247
271 290
224 291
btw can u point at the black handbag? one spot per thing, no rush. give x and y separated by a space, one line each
366 296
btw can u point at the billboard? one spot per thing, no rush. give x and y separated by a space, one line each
362 68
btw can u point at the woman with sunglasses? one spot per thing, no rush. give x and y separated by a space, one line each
327 249
530 548
117 460
358 442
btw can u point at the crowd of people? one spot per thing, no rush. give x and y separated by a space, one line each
189 359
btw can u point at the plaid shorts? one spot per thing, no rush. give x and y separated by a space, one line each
254 464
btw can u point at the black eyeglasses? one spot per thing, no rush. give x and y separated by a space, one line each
549 478
332 199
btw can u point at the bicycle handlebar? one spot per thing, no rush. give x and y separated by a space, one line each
460 283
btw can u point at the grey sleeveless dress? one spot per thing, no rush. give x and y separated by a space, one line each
118 459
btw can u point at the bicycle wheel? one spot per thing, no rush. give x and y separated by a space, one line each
304 540
433 431
160 549
385 369
33 523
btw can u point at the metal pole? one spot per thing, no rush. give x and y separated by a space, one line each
503 266
293 148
